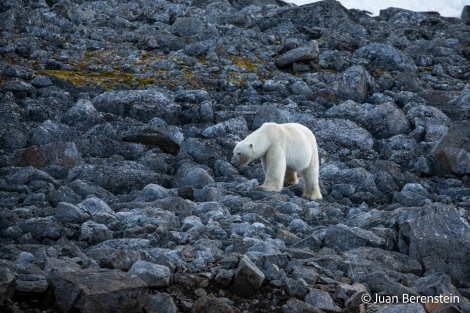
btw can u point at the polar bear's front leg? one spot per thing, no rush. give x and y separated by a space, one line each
274 166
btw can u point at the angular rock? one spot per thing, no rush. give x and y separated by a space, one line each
385 120
452 152
142 105
82 115
436 236
347 238
321 300
248 278
98 290
49 132
154 275
302 54
7 285
168 138
386 57
160 303
60 153
211 304
114 258
66 212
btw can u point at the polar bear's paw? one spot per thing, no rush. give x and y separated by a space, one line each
291 179
270 187
314 195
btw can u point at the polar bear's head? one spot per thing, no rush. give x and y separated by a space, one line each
243 154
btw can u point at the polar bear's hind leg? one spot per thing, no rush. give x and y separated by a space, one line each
312 186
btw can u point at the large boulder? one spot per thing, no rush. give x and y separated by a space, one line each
98 290
142 105
437 236
452 151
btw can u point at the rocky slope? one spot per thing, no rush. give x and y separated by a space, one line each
117 122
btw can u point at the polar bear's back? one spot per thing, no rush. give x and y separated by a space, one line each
298 142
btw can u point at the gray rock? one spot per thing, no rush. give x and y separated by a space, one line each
166 137
321 300
192 175
7 285
354 84
82 115
94 233
385 120
154 275
236 127
31 283
451 151
368 260
120 178
400 149
192 96
60 153
432 234
98 290
348 109
434 122
67 212
114 258
379 282
248 277
346 238
296 306
302 54
49 132
152 192
386 57
160 303
333 133
143 105
41 228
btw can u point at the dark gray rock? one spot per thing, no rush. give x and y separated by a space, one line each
82 115
154 275
385 120
354 140
7 285
248 278
302 54
91 290
160 303
191 175
167 138
451 152
49 132
58 153
437 236
321 300
346 238
142 105
434 122
114 258
354 84
67 212
384 56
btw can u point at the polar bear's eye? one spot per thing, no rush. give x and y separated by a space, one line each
239 153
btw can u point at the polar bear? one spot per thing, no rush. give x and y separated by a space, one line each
285 150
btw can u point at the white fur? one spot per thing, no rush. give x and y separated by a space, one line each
285 150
